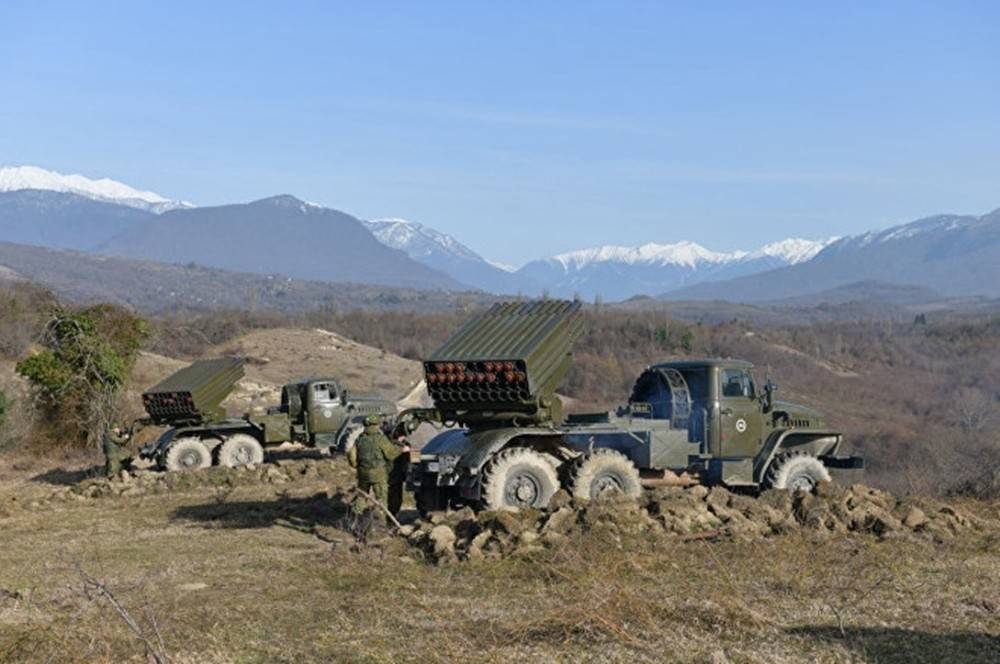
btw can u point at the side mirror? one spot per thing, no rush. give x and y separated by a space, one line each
769 390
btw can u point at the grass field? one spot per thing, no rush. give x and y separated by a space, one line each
255 572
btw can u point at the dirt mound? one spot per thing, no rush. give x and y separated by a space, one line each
277 356
150 482
684 514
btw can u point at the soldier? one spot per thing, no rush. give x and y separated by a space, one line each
373 456
397 476
116 455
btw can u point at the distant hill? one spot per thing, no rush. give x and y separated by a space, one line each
63 220
950 254
152 287
276 235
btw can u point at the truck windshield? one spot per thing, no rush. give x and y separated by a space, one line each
324 392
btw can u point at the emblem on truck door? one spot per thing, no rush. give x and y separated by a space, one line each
741 425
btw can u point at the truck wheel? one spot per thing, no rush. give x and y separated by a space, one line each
240 449
604 471
188 454
517 478
796 471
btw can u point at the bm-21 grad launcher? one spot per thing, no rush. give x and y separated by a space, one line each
315 411
494 382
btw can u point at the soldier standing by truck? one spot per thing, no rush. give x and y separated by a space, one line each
116 455
373 457
397 476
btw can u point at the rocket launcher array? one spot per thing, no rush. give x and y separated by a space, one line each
506 363
194 393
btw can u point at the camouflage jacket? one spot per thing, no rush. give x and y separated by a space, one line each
373 455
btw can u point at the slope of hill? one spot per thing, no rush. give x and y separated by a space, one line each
63 220
443 252
152 287
278 234
954 255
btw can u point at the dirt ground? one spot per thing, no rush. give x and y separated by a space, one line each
260 566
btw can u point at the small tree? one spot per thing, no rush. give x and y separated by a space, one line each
78 375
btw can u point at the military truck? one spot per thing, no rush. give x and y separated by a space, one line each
317 411
706 420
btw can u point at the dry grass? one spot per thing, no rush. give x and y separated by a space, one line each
251 575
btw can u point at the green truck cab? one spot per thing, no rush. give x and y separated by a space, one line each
317 412
705 420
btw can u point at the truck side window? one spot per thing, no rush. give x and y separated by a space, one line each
737 383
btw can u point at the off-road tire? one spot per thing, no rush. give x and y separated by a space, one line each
604 471
240 449
796 471
187 454
518 477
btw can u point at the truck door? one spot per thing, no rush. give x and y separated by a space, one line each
326 412
739 413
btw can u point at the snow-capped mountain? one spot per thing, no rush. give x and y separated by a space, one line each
106 190
617 272
612 271
443 252
950 254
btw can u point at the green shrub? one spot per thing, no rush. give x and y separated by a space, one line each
82 368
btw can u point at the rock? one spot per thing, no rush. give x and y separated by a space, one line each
559 500
698 491
559 521
717 498
507 521
528 537
914 518
442 538
480 540
464 514
189 587
406 530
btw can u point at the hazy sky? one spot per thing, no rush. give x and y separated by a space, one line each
528 128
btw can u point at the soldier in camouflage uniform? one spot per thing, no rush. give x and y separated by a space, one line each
373 455
117 457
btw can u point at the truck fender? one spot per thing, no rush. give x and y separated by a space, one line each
815 442
475 449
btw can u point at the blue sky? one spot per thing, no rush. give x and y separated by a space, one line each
523 128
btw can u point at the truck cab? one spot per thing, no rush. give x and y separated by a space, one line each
733 418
